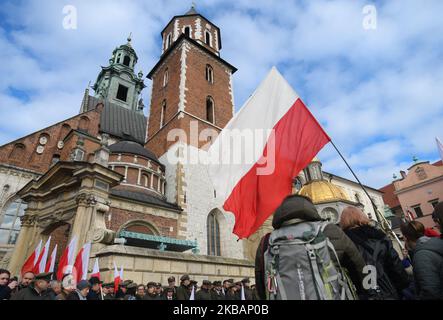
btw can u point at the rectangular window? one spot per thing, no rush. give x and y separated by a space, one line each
418 211
434 203
122 92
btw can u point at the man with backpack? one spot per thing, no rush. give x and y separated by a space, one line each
305 257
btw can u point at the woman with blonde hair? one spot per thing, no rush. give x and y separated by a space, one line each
377 250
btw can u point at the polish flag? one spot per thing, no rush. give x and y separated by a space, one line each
43 257
51 262
117 278
30 263
67 259
242 294
82 261
96 270
192 296
254 177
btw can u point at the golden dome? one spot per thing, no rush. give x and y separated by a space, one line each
323 191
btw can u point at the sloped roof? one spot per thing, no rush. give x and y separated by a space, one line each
145 198
120 122
132 148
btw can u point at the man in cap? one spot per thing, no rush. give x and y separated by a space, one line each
226 285
183 292
95 292
151 292
232 293
171 284
81 292
204 293
217 291
121 292
159 289
108 291
248 291
131 290
37 290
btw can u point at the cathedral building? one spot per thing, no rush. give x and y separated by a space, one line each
127 184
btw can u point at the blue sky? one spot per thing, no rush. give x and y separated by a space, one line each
378 92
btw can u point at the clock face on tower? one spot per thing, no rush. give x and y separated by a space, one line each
43 140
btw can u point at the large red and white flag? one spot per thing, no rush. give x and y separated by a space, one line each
32 259
82 261
96 270
51 262
67 259
280 137
43 257
117 278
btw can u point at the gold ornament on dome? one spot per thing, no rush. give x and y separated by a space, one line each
323 191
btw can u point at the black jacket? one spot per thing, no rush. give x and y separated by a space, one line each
428 268
203 294
30 293
349 256
5 292
391 275
183 293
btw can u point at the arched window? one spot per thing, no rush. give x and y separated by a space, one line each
18 151
126 61
210 114
10 221
168 41
209 74
119 57
166 77
187 31
213 231
140 226
55 159
83 124
208 39
163 114
145 180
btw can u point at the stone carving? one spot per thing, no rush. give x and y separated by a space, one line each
105 236
86 199
28 220
55 217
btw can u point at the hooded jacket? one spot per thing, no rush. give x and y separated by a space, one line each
297 209
391 272
428 268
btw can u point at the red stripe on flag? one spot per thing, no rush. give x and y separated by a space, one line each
298 138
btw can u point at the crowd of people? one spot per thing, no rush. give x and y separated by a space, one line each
41 287
353 244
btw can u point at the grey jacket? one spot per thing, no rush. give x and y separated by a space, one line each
428 268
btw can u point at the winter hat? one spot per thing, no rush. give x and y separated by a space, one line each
83 284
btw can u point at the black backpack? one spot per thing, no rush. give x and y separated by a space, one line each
373 254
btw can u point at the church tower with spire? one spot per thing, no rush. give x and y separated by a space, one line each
117 83
191 102
190 82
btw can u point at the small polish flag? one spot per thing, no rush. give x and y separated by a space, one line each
32 260
51 262
252 178
243 292
67 259
117 278
82 261
192 297
96 270
41 262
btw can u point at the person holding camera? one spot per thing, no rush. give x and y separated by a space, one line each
7 285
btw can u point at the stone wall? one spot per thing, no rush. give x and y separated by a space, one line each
143 265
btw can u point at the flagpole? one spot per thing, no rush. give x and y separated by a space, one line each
383 222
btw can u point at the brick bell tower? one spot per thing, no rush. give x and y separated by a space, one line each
192 92
190 81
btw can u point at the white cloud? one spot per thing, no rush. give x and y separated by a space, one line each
377 92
